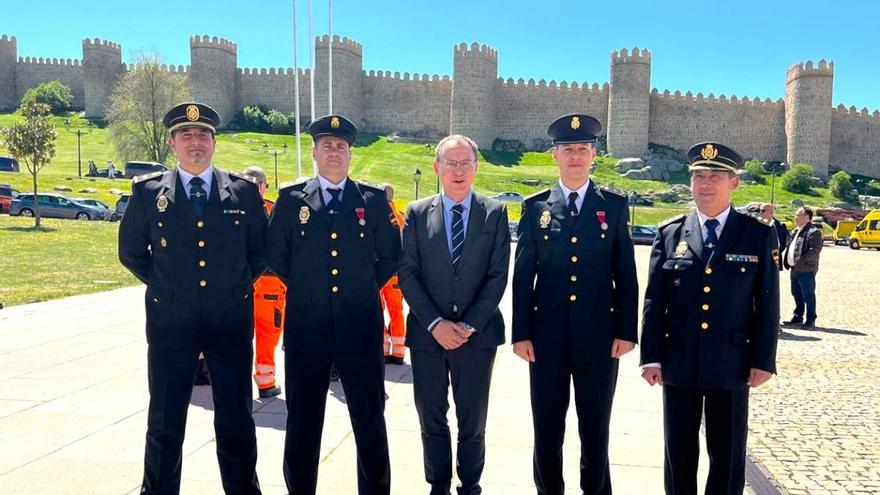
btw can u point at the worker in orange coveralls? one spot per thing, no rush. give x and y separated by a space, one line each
392 301
269 297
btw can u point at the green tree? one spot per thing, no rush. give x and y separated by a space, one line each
278 123
798 179
137 105
841 186
52 93
756 170
33 142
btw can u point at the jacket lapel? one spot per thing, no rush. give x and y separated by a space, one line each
223 187
593 201
559 205
693 234
475 225
437 230
730 232
312 193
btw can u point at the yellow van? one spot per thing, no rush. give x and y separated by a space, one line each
867 232
841 233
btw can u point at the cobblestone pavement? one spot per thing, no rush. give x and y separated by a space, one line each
816 426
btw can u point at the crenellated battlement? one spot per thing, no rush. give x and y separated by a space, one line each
851 111
323 42
635 56
563 86
823 69
9 40
63 62
98 44
206 41
712 99
272 71
476 50
406 76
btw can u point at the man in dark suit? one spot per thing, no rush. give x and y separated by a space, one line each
801 256
575 305
195 236
334 243
710 324
768 212
456 254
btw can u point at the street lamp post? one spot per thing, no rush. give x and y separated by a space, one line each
775 170
275 154
417 176
429 151
79 134
632 217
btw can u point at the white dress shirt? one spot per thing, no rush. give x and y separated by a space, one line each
582 191
326 184
207 175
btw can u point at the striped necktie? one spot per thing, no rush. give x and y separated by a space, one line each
457 234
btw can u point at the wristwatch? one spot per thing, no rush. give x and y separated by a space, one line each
469 328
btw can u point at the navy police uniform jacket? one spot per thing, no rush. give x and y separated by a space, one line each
708 321
574 282
333 265
187 260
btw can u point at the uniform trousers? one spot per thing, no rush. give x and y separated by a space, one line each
594 385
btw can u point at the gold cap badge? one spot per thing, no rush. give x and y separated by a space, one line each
575 122
709 152
334 122
192 113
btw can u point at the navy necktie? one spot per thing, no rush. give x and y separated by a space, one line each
457 234
711 241
334 203
197 195
572 203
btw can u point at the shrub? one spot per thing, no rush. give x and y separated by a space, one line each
798 179
52 93
841 186
756 170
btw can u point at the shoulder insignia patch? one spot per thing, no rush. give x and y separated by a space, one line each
670 221
612 190
243 177
537 194
757 217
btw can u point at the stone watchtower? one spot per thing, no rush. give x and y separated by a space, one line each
629 103
8 61
808 115
474 86
348 67
102 67
213 75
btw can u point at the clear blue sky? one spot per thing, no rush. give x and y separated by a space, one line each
741 48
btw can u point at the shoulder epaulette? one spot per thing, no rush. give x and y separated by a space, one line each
243 177
370 185
757 217
610 190
670 221
141 178
536 194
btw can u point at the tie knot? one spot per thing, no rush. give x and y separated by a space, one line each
196 181
458 208
573 196
712 223
334 191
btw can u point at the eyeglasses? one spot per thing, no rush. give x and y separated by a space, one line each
464 165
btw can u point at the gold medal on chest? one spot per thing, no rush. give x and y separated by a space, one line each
304 214
545 220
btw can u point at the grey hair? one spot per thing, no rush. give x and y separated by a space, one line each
456 137
256 173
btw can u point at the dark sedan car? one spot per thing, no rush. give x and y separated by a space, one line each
53 206
644 234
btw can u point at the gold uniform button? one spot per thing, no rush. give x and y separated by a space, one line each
704 325
237 222
574 278
574 259
362 235
572 298
203 283
200 224
742 269
334 272
202 263
333 253
335 289
707 289
675 267
161 224
708 271
155 299
546 237
201 243
602 236
574 239
333 235
705 307
535 308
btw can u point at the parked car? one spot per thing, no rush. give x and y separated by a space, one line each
108 213
53 206
640 201
513 197
7 194
513 225
133 169
121 204
9 164
644 234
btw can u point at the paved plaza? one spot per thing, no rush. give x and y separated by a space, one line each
73 406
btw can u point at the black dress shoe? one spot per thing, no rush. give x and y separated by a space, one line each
387 359
810 324
265 393
793 322
394 360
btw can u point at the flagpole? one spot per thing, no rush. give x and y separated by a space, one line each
312 78
296 94
330 59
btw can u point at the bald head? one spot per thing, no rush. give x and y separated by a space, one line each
767 211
